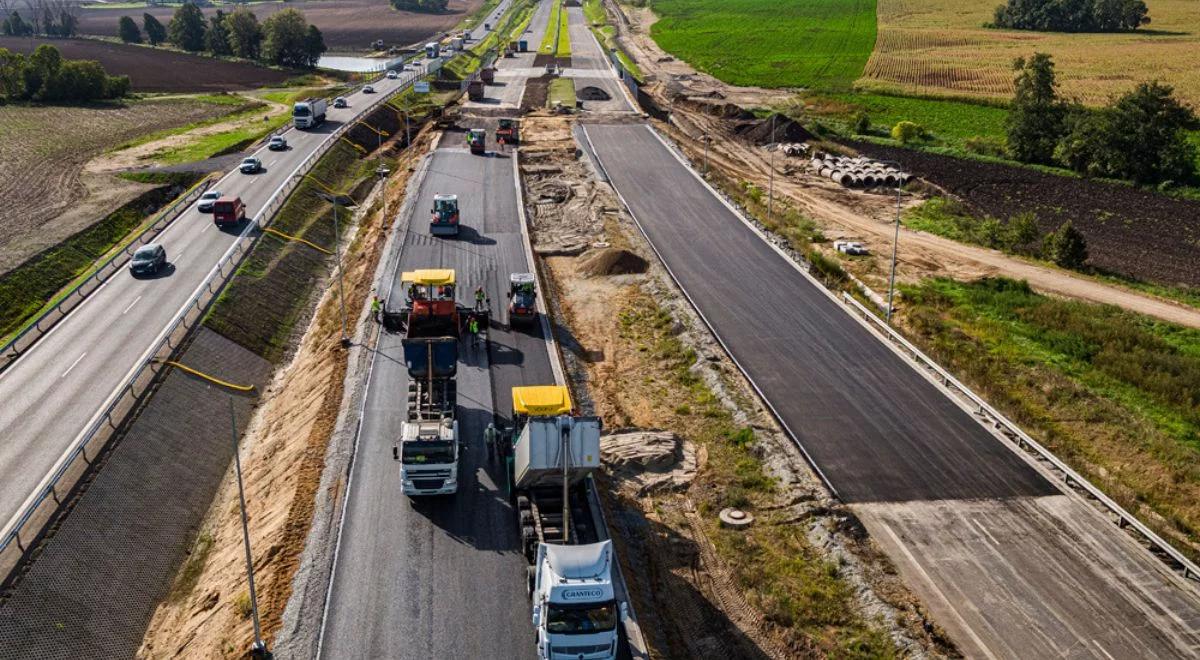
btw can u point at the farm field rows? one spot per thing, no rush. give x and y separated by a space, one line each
347 25
47 194
940 47
804 43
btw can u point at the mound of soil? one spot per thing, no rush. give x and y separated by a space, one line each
648 462
159 70
612 261
537 93
593 94
1136 233
714 105
758 131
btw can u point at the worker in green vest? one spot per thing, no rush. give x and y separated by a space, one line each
473 328
376 308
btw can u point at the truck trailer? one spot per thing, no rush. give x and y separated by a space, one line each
309 113
550 454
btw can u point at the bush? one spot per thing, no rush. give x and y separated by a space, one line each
1066 247
862 123
1072 15
986 145
431 6
907 131
46 76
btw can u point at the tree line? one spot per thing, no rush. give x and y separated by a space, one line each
45 76
430 6
1141 136
54 18
284 39
1072 15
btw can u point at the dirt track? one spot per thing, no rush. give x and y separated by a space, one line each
345 24
156 69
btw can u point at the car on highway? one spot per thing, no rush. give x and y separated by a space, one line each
367 89
251 165
340 102
392 75
207 200
277 143
148 260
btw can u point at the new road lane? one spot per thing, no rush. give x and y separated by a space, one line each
441 577
52 394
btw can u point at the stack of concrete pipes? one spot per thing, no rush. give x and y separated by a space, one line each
796 149
858 172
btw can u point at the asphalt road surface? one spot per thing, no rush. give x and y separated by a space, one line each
54 391
442 577
1005 562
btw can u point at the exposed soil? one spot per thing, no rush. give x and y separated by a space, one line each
158 69
347 25
282 461
1129 231
537 93
48 194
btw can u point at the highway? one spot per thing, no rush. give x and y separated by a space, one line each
1008 563
54 392
441 577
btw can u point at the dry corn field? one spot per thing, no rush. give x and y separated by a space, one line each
940 48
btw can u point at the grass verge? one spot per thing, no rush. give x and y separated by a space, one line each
562 91
597 18
38 284
1115 394
547 45
508 29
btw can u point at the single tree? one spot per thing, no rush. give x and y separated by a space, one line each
314 45
12 74
42 67
216 40
1036 121
186 29
17 26
244 34
128 31
155 32
285 40
1066 247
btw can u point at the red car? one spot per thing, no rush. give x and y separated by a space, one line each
229 211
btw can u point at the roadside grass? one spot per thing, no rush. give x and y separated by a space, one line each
508 29
562 91
40 282
189 575
823 44
472 21
606 34
1115 394
219 144
773 562
247 107
564 33
552 29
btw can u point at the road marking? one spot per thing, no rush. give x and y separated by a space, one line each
985 532
1103 650
131 305
73 365
178 256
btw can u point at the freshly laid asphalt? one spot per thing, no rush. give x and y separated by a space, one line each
442 577
876 428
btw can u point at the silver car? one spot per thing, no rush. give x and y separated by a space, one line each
207 200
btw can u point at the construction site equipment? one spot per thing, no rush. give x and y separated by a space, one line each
570 577
475 90
508 130
858 172
443 217
477 140
523 46
488 75
522 298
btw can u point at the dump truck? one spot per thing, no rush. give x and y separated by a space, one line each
477 140
550 455
508 131
309 113
428 446
443 217
488 75
475 90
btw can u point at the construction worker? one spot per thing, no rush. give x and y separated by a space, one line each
376 308
480 299
489 439
473 328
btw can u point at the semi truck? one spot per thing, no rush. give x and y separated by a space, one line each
432 49
550 454
475 91
488 75
309 113
428 447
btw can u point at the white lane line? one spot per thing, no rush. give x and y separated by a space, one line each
73 365
985 532
1103 650
207 225
135 300
177 257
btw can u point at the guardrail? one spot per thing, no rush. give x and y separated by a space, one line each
76 463
47 319
1073 479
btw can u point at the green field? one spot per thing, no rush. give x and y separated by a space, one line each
822 44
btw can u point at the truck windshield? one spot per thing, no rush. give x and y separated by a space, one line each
581 619
428 452
300 111
444 206
523 299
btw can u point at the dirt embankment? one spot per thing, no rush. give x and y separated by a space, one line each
638 356
283 453
697 101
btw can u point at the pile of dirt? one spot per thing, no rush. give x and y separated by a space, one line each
537 93
593 94
759 131
648 462
714 104
611 261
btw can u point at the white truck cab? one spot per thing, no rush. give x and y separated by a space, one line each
575 610
428 455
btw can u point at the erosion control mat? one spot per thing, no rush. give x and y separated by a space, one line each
92 590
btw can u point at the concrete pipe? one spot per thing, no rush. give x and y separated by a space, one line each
847 180
827 172
890 180
869 181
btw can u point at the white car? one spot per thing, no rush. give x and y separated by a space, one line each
207 200
367 89
339 102
392 75
850 247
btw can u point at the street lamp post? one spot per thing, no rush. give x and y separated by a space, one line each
707 139
895 243
259 649
771 184
339 200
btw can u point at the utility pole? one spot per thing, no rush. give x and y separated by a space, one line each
895 244
771 185
707 139
259 649
337 255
